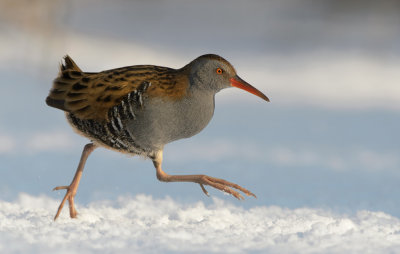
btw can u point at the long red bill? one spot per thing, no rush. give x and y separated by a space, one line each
240 83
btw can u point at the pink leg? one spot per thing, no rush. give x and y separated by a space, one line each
202 180
73 187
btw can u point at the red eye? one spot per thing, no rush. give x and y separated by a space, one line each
219 71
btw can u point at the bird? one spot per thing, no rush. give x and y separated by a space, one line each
139 109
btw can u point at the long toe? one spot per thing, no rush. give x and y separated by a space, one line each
60 207
224 186
71 191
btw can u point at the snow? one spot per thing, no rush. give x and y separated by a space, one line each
147 225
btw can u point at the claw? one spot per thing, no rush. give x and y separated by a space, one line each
204 190
233 193
224 186
61 188
251 194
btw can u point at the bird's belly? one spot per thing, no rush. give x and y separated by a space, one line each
161 122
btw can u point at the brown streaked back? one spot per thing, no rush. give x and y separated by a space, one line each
91 95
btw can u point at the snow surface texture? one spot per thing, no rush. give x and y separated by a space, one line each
142 224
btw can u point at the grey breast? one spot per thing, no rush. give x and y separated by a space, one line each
162 121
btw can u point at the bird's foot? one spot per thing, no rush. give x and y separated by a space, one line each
217 183
224 186
71 192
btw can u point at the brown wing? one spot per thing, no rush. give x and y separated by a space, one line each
91 95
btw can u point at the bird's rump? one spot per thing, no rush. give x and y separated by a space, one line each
90 95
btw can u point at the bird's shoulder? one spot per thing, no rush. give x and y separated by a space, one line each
91 95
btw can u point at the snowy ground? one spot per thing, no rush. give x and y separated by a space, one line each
146 225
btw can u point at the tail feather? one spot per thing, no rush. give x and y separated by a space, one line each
69 64
55 103
67 77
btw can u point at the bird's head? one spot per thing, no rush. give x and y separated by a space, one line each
212 72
